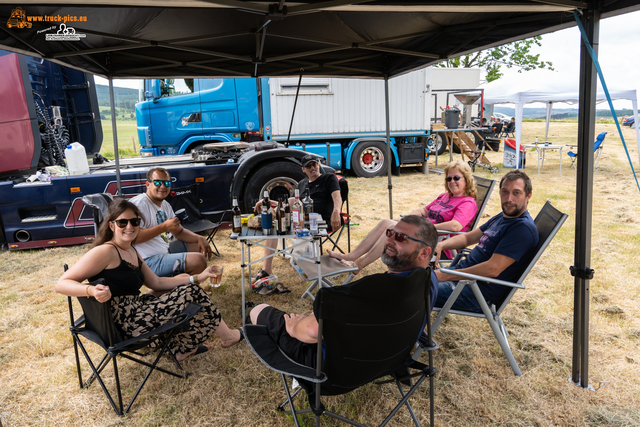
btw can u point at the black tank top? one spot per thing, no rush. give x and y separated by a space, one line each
125 279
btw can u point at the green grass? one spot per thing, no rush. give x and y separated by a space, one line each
127 139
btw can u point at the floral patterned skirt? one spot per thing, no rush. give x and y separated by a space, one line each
138 314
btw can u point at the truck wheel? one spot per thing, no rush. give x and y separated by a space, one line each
369 159
279 178
437 143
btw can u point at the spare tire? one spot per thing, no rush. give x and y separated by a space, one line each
279 177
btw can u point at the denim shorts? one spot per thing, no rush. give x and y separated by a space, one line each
171 263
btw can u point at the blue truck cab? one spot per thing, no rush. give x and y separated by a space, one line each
176 116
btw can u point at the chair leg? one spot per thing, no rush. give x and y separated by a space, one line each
502 340
290 400
210 237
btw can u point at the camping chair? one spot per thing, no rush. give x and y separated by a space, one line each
188 198
597 151
335 235
548 222
484 187
369 328
99 203
508 131
96 325
329 267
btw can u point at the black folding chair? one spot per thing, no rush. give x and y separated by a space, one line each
334 237
369 328
96 325
188 198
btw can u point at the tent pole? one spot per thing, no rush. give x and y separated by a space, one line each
584 199
546 131
115 136
389 158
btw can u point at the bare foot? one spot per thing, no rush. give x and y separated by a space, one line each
351 264
235 337
338 255
198 350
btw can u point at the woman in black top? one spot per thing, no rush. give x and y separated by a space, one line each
114 258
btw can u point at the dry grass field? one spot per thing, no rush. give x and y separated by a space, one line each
475 385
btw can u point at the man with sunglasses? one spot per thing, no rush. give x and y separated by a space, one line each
409 245
505 244
186 252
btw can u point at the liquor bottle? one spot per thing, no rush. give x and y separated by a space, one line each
237 221
307 205
277 217
271 211
296 212
286 216
267 217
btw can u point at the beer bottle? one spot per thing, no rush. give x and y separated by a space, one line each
237 221
307 205
296 212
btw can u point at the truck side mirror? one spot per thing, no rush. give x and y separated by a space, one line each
155 91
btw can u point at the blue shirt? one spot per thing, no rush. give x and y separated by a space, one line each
515 238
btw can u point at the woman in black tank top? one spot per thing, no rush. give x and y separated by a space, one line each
114 258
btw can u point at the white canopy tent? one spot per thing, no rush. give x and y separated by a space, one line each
546 87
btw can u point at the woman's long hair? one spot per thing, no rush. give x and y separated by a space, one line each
465 170
116 208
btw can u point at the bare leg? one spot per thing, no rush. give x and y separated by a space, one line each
228 337
195 263
371 241
373 254
267 263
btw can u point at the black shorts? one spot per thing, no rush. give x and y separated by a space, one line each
298 351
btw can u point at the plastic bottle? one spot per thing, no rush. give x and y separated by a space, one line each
76 156
269 280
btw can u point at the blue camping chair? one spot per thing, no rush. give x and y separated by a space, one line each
597 150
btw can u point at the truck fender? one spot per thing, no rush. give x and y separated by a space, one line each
253 165
353 144
198 140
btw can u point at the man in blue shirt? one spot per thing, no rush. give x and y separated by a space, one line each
504 247
409 245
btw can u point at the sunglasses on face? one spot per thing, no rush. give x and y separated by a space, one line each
401 237
122 223
159 182
455 178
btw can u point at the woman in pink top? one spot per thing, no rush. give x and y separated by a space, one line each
453 210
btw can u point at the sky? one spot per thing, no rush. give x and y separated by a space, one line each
619 55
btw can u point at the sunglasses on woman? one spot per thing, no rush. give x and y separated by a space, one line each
401 237
455 178
122 223
159 182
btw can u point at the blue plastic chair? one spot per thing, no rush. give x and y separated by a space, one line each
597 150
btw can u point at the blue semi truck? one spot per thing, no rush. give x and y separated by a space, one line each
47 106
342 120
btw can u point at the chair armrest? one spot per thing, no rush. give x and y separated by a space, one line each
482 278
267 350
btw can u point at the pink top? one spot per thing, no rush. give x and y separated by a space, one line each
447 208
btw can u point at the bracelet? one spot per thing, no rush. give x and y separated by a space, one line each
87 291
194 280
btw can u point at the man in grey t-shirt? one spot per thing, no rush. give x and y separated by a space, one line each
186 254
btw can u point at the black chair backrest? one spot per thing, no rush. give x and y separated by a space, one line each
187 198
98 318
370 327
548 222
344 187
484 187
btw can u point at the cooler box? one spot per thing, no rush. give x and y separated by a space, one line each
509 159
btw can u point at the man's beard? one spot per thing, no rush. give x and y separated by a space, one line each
515 211
400 262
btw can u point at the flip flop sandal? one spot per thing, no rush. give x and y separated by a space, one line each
266 290
201 349
261 275
281 289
